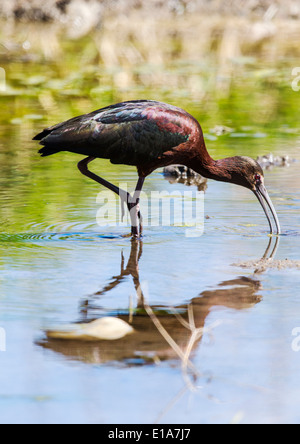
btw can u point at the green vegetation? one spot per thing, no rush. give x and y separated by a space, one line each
219 78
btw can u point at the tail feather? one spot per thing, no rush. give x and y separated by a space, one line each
47 151
43 134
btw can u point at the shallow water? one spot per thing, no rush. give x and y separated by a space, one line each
246 368
59 267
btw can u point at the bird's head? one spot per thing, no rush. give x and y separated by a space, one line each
246 172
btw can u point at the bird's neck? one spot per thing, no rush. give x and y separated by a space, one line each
205 165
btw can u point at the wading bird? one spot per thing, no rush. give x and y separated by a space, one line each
149 135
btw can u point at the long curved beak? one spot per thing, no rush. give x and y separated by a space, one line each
263 196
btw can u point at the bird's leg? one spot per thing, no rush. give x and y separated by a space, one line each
131 202
135 213
124 195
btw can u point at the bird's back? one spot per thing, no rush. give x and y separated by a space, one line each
132 133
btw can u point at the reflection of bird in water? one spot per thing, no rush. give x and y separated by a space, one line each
160 332
149 135
265 262
132 269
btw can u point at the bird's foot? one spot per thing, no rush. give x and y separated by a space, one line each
136 233
126 236
133 236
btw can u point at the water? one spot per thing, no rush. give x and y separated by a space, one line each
247 368
59 267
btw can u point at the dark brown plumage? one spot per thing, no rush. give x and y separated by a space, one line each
149 135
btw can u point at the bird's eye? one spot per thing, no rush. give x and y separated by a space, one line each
257 178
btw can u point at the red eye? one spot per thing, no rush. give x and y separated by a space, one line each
257 178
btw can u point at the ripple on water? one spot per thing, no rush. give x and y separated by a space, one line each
44 237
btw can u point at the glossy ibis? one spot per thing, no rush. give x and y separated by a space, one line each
149 135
